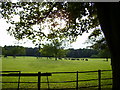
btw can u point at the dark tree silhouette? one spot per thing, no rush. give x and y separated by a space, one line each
109 17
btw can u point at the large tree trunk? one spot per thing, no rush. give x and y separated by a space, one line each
109 17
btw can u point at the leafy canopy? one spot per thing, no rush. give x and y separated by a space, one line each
63 20
99 43
13 50
53 49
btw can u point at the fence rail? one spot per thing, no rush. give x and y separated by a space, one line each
39 74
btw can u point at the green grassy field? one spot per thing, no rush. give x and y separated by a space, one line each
32 64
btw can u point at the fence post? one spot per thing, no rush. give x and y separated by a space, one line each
48 83
19 80
77 80
39 79
99 79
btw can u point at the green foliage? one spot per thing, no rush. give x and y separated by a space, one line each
53 49
104 53
13 50
39 13
99 43
95 34
47 50
81 53
4 51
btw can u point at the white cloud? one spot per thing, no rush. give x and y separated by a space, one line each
80 42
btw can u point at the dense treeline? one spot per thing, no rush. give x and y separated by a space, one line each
13 51
81 53
19 51
25 51
32 52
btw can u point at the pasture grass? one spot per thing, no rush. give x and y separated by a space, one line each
32 64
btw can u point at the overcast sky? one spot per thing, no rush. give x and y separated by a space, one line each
6 39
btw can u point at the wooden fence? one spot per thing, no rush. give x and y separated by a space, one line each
39 75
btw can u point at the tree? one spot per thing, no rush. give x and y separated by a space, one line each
81 53
31 14
32 52
47 50
99 43
53 49
109 17
4 52
13 50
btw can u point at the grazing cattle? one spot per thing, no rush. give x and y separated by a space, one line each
72 58
82 59
86 59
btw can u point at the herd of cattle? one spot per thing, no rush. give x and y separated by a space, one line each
75 59
66 58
